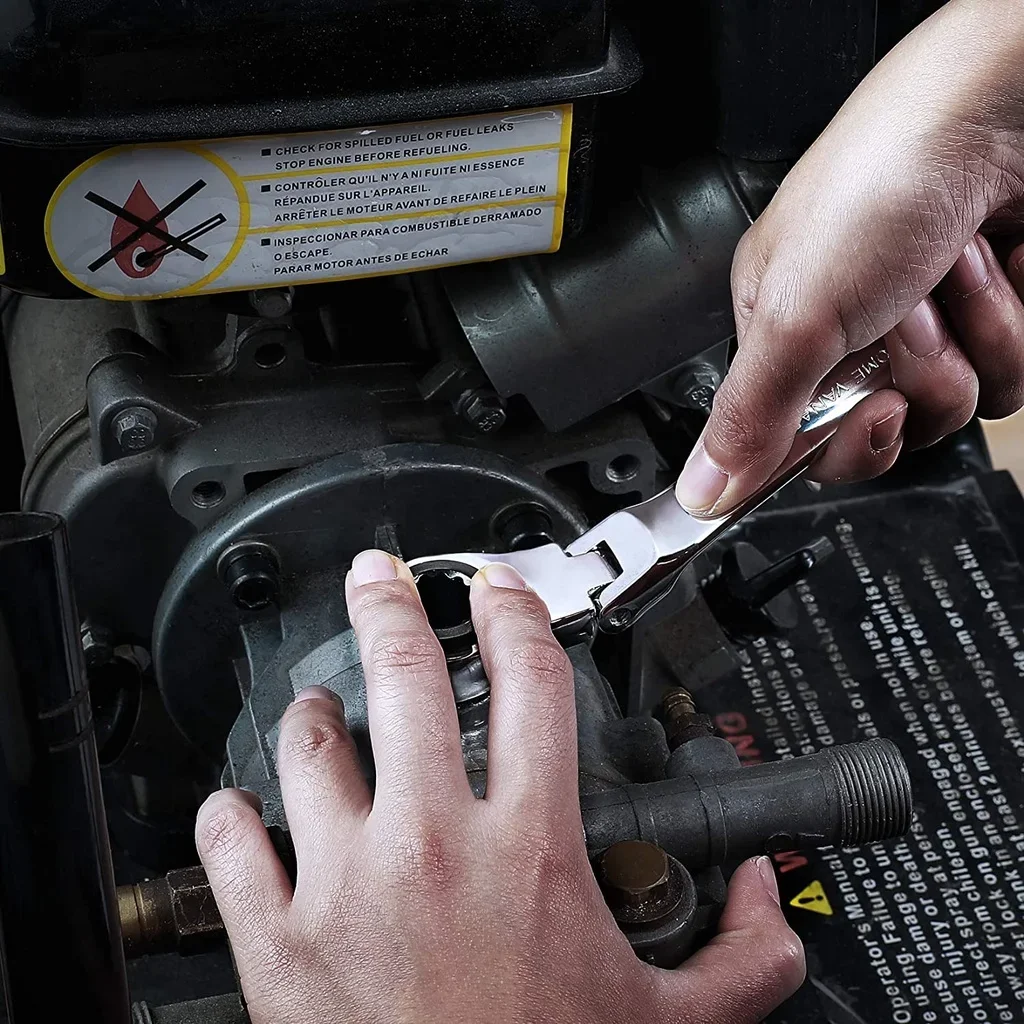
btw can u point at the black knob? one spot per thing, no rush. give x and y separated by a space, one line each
749 595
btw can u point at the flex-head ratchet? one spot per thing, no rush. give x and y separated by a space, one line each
626 563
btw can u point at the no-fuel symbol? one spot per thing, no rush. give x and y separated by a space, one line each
146 222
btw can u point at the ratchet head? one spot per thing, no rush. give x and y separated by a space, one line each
565 584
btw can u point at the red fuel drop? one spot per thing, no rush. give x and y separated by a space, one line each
132 260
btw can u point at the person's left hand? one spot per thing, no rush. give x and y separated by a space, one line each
424 904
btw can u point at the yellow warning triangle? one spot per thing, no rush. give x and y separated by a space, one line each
813 898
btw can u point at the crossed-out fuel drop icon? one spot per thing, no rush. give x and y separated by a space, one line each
140 239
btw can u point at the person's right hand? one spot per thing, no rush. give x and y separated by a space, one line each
875 233
421 904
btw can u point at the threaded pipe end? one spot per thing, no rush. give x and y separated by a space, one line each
876 800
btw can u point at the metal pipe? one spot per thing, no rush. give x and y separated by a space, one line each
843 796
58 909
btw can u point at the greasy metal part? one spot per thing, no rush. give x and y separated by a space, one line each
250 573
680 719
135 429
57 902
628 562
176 913
645 289
653 898
842 796
634 877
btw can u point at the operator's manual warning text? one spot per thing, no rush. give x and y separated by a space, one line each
156 221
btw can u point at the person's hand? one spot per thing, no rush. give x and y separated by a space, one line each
875 233
423 904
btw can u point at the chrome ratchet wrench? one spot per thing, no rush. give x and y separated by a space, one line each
626 563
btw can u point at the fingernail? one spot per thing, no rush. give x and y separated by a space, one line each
497 574
768 879
701 483
921 331
885 433
373 567
970 273
316 693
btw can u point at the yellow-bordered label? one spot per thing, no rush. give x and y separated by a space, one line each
174 219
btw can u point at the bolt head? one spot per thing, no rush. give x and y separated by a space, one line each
272 303
635 875
135 429
484 411
696 388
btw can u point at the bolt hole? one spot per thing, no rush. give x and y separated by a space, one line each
446 600
254 593
208 494
270 355
622 469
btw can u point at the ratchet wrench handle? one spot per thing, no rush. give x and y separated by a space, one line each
650 543
859 375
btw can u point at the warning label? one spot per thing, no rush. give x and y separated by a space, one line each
915 632
156 221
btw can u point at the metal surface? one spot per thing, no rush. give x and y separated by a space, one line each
843 796
316 520
625 564
177 912
635 876
57 904
639 295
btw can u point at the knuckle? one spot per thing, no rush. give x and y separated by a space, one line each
734 432
394 654
517 607
1002 401
784 958
961 395
427 858
540 660
312 740
377 601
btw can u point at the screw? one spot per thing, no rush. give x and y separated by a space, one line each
696 388
619 619
272 303
250 573
482 409
135 429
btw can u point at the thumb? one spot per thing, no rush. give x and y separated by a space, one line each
753 964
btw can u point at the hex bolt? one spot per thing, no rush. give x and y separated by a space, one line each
162 915
272 303
250 572
636 880
97 645
696 388
482 409
135 428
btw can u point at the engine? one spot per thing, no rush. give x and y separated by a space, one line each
284 282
